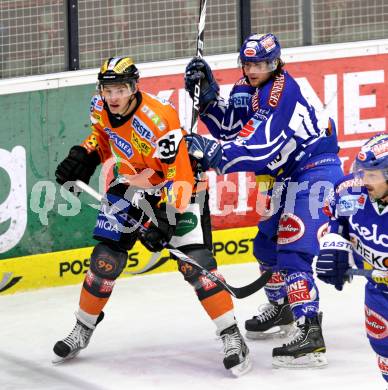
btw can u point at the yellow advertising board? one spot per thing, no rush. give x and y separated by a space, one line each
68 267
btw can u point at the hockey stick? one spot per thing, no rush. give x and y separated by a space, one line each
199 53
369 273
237 292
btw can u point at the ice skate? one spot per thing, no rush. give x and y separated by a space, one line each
236 352
273 321
77 340
305 350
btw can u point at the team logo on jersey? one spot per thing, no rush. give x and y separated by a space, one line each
171 172
141 146
97 104
241 99
96 118
368 235
187 222
349 204
143 130
154 118
361 201
276 91
123 145
376 325
371 256
249 128
91 143
291 228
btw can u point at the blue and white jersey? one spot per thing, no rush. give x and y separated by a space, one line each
278 132
225 120
358 218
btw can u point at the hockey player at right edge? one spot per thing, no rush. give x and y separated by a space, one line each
359 226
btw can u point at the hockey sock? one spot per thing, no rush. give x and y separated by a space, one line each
90 303
217 304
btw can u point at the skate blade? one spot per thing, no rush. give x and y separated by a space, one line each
277 332
58 359
310 360
241 368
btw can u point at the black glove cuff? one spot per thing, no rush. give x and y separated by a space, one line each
80 154
79 164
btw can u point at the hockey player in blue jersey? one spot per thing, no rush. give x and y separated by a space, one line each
359 226
270 129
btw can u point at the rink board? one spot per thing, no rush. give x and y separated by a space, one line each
68 267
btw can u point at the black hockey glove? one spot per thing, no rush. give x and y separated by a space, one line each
198 69
78 165
155 237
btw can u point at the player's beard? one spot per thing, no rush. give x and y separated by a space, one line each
383 198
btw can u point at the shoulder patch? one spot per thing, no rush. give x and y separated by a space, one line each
96 103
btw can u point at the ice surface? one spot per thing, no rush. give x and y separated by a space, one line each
155 335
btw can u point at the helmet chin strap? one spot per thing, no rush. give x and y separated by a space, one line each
128 108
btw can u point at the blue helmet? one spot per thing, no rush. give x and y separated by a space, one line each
373 155
260 47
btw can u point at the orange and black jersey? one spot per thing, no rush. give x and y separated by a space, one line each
149 138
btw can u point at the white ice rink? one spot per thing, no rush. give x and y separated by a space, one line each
155 335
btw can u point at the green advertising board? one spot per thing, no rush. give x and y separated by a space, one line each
36 131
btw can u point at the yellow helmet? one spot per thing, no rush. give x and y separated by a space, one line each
118 70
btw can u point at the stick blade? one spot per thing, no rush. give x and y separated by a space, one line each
258 284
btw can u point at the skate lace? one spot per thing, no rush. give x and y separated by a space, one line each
266 312
78 337
298 336
232 343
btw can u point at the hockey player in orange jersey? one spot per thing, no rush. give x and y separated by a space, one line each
141 135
